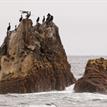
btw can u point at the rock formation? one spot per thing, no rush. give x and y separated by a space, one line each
32 59
94 78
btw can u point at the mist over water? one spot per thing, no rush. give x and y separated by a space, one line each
67 98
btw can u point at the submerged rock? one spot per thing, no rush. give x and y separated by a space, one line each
94 78
32 59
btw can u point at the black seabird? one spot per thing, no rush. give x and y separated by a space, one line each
38 19
22 11
20 18
28 15
48 17
9 27
51 18
43 20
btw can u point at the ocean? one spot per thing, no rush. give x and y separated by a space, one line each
66 98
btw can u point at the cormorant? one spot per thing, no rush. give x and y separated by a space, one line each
37 19
48 17
43 20
28 15
51 18
9 27
22 11
20 18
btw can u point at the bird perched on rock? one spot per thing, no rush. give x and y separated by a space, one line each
38 19
20 18
48 14
25 12
51 18
28 15
9 27
48 17
43 20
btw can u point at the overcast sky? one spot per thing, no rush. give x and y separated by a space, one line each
82 23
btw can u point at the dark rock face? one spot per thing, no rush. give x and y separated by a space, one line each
94 78
33 60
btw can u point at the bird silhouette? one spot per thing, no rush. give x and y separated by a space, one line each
51 18
9 27
48 14
20 18
28 15
43 20
38 19
24 12
48 17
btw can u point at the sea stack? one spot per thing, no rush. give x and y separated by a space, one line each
32 59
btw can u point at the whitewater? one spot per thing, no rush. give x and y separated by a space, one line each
66 98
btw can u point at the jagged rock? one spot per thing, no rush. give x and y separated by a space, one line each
32 59
94 78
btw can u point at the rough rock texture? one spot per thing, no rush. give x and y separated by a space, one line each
94 78
33 60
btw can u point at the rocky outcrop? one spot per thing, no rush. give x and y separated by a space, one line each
94 78
32 59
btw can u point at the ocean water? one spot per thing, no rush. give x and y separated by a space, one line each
66 98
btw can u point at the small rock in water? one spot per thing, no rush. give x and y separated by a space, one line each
94 78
